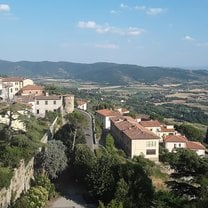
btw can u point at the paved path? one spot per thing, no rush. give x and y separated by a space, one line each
72 196
89 130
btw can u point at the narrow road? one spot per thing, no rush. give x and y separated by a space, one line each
89 130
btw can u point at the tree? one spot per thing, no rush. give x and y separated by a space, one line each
12 112
206 137
140 191
100 179
84 160
52 158
121 190
191 132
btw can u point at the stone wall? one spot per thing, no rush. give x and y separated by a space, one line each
20 182
22 176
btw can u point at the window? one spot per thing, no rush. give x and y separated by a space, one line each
54 110
37 102
37 111
175 145
151 152
151 144
16 89
36 92
11 90
179 144
54 102
46 102
16 83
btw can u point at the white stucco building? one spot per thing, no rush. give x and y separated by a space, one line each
104 116
12 85
172 142
134 139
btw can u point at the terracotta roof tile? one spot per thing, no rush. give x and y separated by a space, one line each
80 102
107 112
151 123
164 129
49 97
175 138
32 87
132 129
194 145
13 79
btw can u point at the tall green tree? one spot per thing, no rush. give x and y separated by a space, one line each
101 180
84 160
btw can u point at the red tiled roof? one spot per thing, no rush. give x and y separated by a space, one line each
49 97
151 123
194 145
107 112
132 129
32 87
13 79
164 129
81 102
174 138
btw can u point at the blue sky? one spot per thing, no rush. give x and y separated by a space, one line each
142 32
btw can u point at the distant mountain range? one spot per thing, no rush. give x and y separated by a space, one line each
103 73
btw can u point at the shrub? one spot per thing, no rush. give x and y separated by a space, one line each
5 177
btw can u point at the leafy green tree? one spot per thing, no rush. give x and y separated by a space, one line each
140 193
121 190
191 132
66 135
100 179
165 199
206 137
84 160
109 144
52 159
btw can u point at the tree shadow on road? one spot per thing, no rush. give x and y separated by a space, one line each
69 188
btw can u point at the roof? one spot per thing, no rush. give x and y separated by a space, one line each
107 113
81 102
32 87
151 123
132 129
164 129
195 145
24 99
13 79
175 138
49 97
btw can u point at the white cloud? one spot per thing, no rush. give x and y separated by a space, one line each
124 6
188 38
148 11
115 12
107 46
88 24
141 8
154 11
106 28
134 31
4 8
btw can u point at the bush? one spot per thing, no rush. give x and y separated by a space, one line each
45 182
5 177
36 197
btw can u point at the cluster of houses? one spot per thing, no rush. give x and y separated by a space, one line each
23 90
142 136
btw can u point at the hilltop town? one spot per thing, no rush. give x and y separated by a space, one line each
109 134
